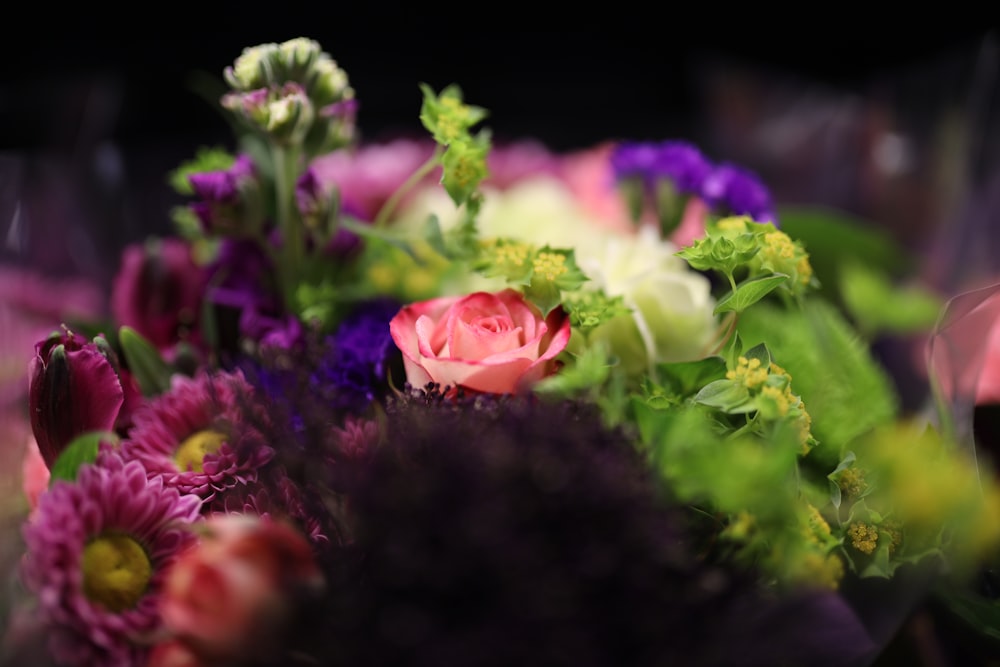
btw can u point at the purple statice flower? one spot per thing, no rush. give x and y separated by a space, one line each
97 550
353 371
731 189
200 435
221 193
680 162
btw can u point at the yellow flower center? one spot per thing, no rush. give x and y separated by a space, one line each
191 453
116 571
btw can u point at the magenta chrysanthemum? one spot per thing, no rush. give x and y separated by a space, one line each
200 434
96 552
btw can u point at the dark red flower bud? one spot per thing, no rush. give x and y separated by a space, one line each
73 388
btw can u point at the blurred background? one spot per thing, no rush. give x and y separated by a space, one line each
890 123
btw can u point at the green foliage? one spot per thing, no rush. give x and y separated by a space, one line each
446 116
845 390
749 292
588 309
144 361
878 306
81 450
721 253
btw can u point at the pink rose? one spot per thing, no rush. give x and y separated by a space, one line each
232 597
494 343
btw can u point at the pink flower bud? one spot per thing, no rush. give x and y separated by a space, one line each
233 595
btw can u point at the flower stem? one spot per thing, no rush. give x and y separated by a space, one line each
390 204
285 160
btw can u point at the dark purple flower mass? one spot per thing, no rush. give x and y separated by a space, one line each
507 531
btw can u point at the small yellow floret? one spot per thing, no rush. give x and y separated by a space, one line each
511 254
852 481
864 537
551 265
748 372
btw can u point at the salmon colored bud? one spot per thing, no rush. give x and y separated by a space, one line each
231 597
73 388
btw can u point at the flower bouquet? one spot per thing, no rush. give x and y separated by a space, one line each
439 401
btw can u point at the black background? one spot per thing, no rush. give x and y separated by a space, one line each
97 104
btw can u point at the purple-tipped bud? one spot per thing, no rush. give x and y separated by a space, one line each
73 388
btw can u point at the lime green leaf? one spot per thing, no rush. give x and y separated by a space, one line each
585 372
759 351
81 450
685 378
879 306
749 292
726 395
144 361
543 294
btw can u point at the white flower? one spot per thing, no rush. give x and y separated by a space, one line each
671 304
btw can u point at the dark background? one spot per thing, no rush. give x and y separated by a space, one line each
96 108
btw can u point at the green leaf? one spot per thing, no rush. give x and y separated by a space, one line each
543 294
879 306
81 450
685 378
144 361
748 293
726 395
835 238
759 351
586 372
980 614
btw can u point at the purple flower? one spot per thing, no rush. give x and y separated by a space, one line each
355 367
242 279
680 162
734 190
201 434
97 550
222 194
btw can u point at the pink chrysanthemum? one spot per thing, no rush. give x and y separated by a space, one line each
200 434
96 552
